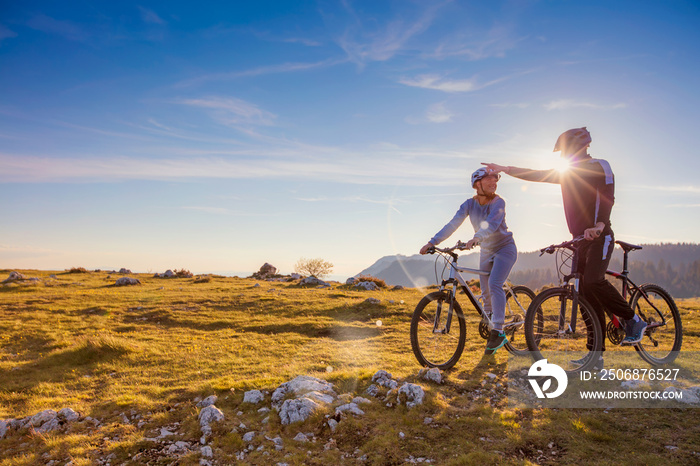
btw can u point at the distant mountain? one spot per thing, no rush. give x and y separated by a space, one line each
676 267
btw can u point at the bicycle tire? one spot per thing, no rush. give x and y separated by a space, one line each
571 350
668 338
514 322
436 348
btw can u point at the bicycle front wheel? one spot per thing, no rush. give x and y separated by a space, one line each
517 304
664 335
438 330
554 332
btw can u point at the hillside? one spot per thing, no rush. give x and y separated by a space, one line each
95 374
673 266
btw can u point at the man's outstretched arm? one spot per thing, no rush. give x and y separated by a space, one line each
527 174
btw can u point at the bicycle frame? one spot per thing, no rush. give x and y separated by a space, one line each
629 288
456 279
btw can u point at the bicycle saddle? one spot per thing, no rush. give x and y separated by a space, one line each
627 246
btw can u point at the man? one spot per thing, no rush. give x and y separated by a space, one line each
588 192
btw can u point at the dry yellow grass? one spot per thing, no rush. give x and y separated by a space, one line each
142 354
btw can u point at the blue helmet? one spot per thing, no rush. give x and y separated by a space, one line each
482 173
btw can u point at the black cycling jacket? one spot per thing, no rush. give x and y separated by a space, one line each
587 188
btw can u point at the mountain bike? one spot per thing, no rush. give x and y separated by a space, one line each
663 336
552 327
438 326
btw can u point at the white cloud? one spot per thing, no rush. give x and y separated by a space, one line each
303 41
511 105
150 16
432 81
438 113
363 43
6 33
259 71
565 104
351 168
232 111
492 43
50 25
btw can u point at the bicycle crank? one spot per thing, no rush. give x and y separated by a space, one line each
615 334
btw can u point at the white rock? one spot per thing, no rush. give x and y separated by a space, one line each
630 384
279 443
210 414
165 433
432 375
369 286
301 385
253 396
248 437
412 394
3 428
372 390
297 410
68 415
314 281
206 452
320 397
42 417
48 426
301 438
360 400
126 281
349 408
384 379
333 424
208 401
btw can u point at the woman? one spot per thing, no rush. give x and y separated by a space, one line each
487 212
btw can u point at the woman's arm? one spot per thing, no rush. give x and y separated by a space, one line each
452 225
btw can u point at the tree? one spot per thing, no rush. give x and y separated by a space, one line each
316 267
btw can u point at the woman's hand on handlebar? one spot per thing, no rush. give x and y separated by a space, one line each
426 248
471 243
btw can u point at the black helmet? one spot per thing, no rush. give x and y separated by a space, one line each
573 140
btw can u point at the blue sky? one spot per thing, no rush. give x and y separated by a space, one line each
219 136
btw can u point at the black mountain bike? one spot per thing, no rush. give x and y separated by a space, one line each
560 325
552 328
664 333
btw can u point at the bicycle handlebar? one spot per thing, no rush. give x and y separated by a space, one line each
571 244
460 246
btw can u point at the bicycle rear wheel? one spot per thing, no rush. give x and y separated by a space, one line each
433 342
553 334
517 304
662 341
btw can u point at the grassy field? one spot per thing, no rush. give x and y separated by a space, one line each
136 358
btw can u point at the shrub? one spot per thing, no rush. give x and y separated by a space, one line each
78 270
368 278
183 273
316 267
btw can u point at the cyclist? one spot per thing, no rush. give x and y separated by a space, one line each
487 212
588 192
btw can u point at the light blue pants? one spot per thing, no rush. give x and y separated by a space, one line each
499 264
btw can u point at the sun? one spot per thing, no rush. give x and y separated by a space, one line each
561 164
